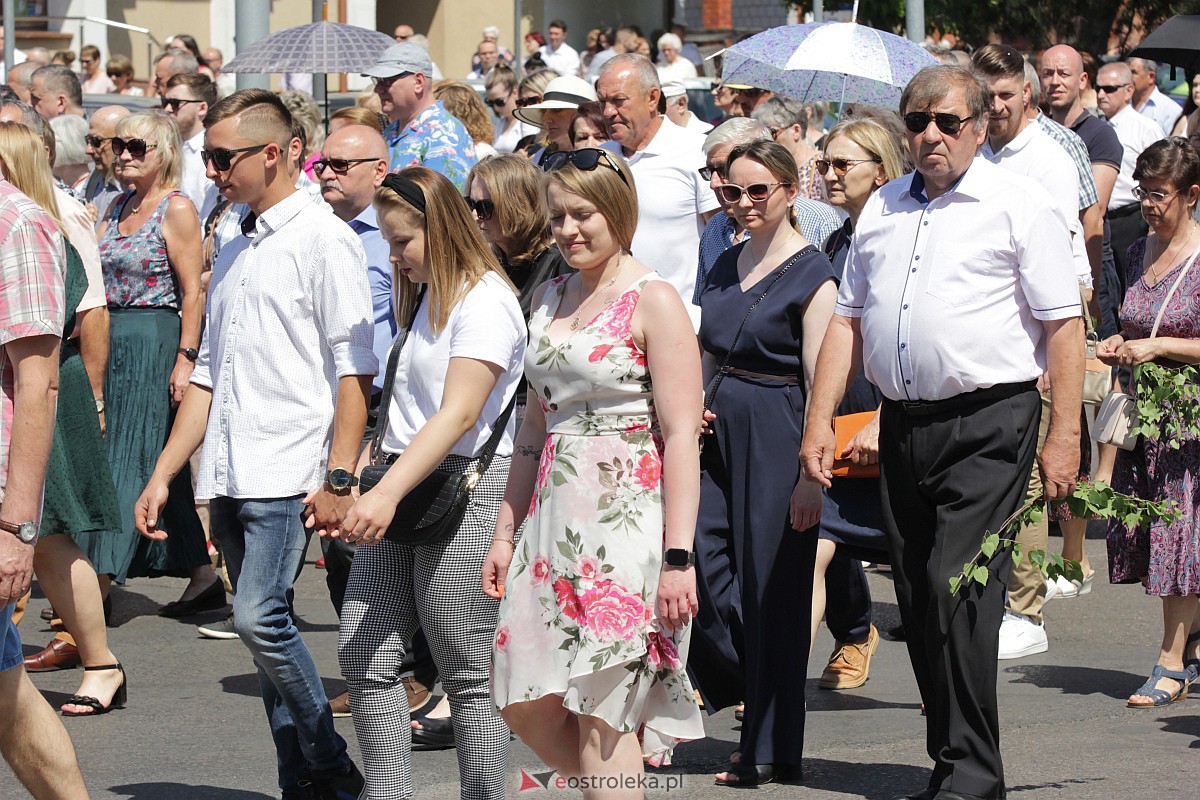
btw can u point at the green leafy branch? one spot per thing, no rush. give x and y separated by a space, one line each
1168 403
1090 499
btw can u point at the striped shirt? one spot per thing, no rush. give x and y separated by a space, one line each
32 274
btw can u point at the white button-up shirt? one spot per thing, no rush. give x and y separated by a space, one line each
564 60
194 182
289 315
1136 133
952 292
1162 109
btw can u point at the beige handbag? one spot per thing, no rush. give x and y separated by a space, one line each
1118 414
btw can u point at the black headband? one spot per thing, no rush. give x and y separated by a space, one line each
407 189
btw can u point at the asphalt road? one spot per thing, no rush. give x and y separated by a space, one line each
195 728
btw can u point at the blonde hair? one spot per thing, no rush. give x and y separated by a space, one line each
463 102
515 186
159 130
457 255
875 139
357 115
25 165
611 193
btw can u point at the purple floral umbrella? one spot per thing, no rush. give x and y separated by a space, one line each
827 61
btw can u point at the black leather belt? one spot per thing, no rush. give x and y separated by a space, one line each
932 408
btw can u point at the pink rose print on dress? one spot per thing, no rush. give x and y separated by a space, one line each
588 568
599 352
502 639
540 570
661 651
638 357
619 315
647 472
568 601
612 613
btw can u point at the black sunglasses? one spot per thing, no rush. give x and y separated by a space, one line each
949 124
751 92
222 159
174 103
496 102
525 102
586 159
841 165
484 209
136 147
1107 89
707 172
340 166
96 141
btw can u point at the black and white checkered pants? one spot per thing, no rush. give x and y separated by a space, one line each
392 589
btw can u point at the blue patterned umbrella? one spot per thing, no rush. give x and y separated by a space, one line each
318 47
832 61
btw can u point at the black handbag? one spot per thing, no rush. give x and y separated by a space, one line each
433 509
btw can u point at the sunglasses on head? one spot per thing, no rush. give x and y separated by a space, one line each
586 159
841 165
949 124
525 102
174 103
222 159
1109 89
136 147
484 209
757 192
96 141
340 166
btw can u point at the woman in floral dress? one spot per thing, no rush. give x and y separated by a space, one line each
591 643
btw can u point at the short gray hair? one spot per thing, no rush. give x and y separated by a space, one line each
1035 82
779 112
70 148
181 61
736 130
642 68
670 40
59 79
29 117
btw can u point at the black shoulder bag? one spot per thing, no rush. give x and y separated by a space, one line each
432 511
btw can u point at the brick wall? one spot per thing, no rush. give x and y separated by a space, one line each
758 13
718 13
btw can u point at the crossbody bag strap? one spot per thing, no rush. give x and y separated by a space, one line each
489 447
738 334
389 379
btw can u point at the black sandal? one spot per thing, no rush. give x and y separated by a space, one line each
119 698
434 734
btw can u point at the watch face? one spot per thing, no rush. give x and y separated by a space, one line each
339 478
27 532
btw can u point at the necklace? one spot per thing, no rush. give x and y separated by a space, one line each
583 303
1169 263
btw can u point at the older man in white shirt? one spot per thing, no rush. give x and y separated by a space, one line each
1148 100
958 247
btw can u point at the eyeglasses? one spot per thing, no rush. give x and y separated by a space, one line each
708 171
949 124
1109 89
383 84
484 209
340 166
526 102
586 159
95 141
496 102
1155 198
136 147
757 192
222 159
841 165
174 103
752 92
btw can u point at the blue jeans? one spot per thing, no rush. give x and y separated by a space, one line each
264 542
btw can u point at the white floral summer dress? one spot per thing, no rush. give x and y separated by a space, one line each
578 614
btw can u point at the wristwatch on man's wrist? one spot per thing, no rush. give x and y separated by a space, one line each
190 353
678 557
340 480
27 532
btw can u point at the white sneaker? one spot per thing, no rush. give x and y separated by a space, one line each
1051 590
1020 636
221 629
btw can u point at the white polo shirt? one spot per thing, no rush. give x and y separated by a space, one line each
1135 133
1034 154
952 293
671 198
564 60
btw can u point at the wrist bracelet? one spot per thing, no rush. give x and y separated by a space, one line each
510 542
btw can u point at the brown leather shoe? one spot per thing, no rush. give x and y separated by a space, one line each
57 655
418 693
850 665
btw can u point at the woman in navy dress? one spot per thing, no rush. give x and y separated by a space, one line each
756 536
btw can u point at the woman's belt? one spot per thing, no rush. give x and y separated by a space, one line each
764 376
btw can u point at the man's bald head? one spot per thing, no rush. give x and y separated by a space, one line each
102 126
1064 52
347 182
1062 77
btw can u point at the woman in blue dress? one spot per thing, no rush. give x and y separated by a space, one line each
765 307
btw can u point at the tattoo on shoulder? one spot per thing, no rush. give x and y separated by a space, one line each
529 451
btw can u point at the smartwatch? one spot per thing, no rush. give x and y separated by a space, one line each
190 353
678 557
340 479
27 532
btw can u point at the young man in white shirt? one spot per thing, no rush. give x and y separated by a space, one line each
558 55
279 400
187 99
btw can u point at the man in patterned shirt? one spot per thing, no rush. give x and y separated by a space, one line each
421 132
32 266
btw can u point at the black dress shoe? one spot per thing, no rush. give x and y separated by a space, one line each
926 794
434 734
946 794
211 599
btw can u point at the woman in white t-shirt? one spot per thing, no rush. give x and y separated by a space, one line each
457 371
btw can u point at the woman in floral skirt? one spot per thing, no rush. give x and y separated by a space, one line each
591 643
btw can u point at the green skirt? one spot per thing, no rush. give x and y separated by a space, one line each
142 351
80 496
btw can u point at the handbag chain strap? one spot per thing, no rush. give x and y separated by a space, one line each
720 376
385 401
1171 292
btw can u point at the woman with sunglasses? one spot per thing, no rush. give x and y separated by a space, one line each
765 306
458 369
553 115
500 95
860 156
150 252
598 592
